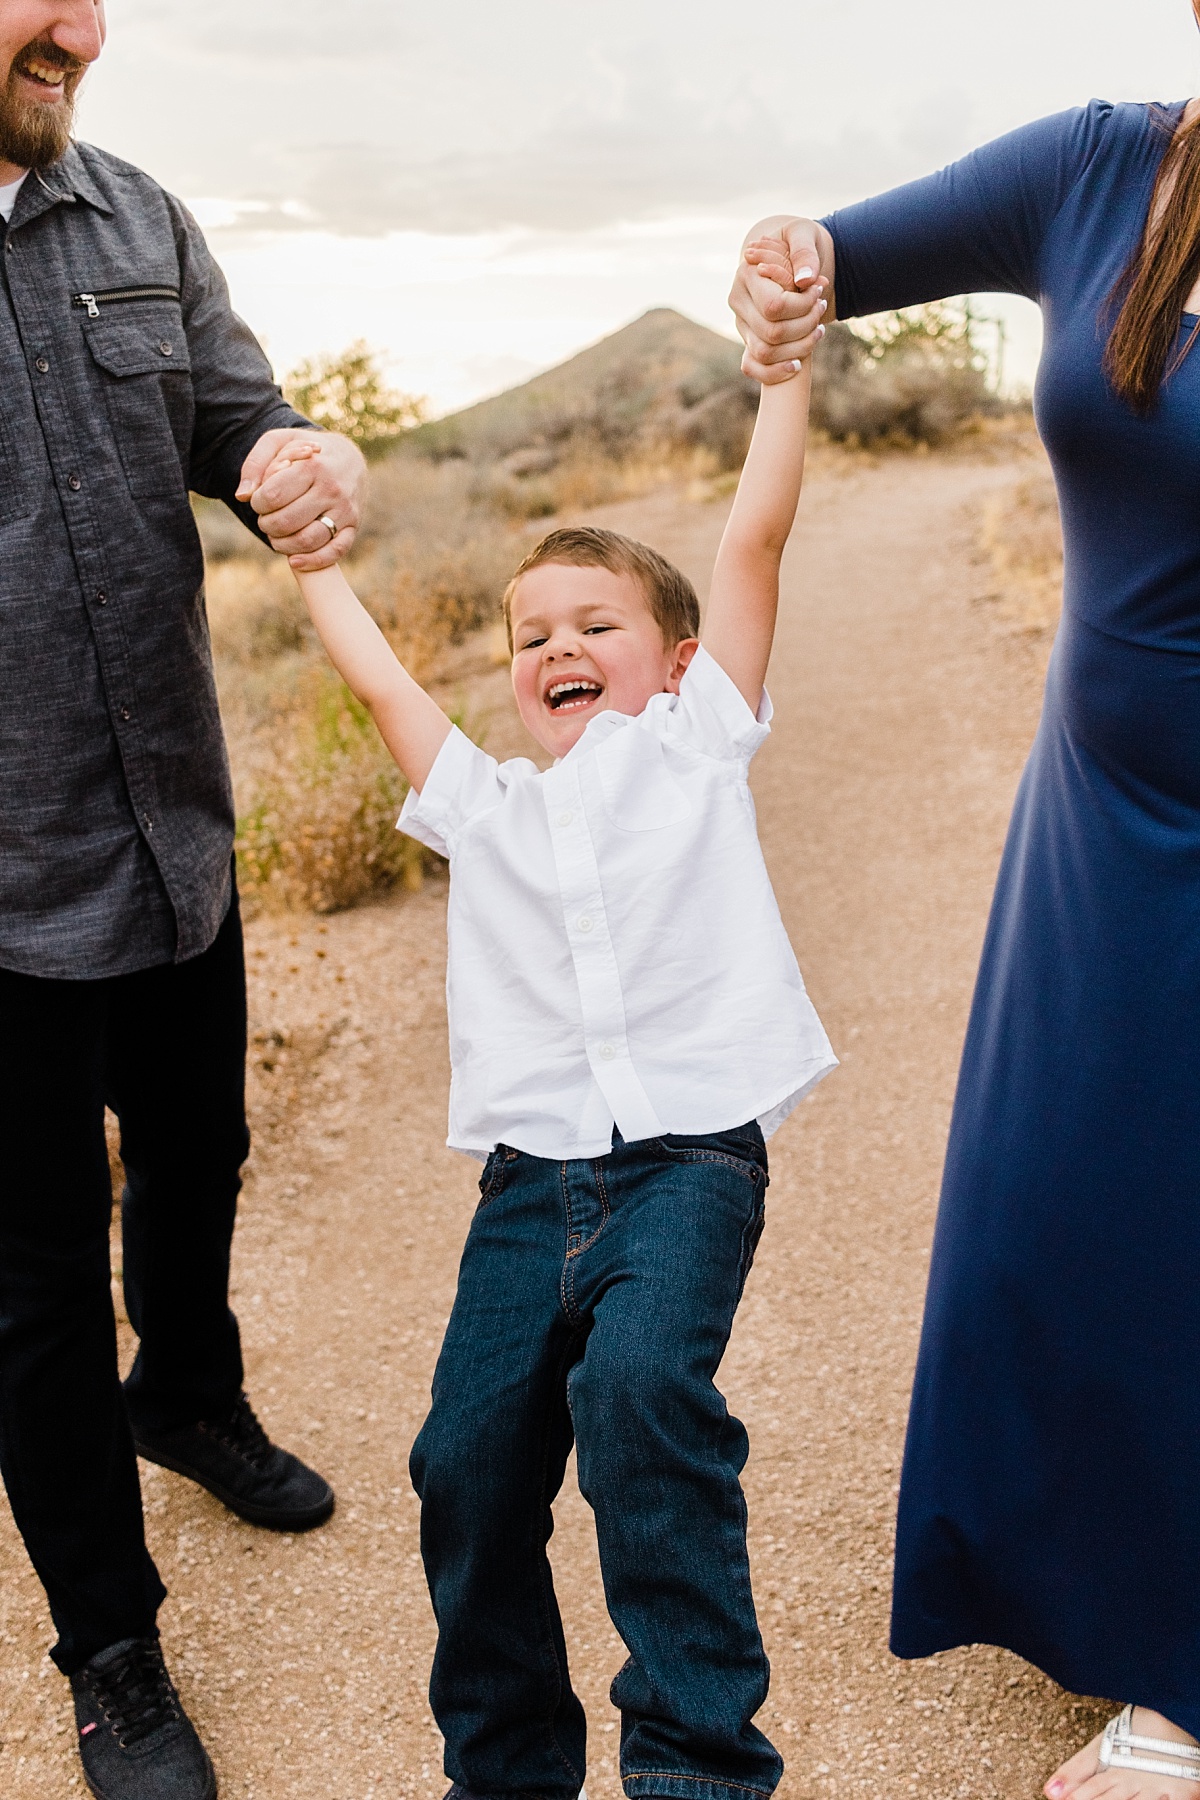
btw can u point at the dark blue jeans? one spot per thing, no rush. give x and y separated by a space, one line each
595 1301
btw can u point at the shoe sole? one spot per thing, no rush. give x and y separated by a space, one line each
263 1516
210 1787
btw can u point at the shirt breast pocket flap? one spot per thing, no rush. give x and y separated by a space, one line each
640 792
146 376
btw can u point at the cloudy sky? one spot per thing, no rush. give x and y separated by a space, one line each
480 189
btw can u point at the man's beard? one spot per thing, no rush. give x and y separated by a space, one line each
36 133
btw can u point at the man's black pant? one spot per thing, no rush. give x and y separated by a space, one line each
165 1049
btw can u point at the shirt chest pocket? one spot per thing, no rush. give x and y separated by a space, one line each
145 372
640 792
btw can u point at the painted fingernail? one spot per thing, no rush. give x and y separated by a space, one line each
1056 1787
797 365
824 306
804 274
820 332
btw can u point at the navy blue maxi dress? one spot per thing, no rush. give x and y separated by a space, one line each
1050 1499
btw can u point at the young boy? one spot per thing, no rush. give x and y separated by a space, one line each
627 1023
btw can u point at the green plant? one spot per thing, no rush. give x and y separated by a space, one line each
913 377
321 832
348 392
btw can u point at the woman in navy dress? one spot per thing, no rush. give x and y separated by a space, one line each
1050 1499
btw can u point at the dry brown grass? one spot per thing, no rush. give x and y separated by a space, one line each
1021 536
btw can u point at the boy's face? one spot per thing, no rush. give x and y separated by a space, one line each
586 642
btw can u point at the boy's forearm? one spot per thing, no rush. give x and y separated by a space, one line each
764 509
739 625
412 725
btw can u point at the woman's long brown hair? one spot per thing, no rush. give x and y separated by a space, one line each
1142 352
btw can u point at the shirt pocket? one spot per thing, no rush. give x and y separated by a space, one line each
145 371
640 792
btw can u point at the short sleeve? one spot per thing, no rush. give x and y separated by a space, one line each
710 715
463 782
977 226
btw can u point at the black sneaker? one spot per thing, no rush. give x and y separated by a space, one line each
235 1460
135 1740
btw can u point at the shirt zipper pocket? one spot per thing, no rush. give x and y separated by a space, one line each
91 303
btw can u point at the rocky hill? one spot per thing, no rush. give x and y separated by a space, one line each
662 381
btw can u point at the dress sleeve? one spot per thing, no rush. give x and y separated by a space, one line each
977 226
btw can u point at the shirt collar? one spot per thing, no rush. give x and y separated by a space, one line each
62 184
594 732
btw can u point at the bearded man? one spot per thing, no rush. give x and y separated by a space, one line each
125 380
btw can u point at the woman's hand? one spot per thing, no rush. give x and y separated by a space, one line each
778 319
770 258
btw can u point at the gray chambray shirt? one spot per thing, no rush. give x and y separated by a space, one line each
125 380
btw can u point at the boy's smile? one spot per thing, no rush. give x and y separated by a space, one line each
585 641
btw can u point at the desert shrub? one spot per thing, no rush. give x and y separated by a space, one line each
255 612
321 832
348 392
1021 536
721 421
223 534
914 377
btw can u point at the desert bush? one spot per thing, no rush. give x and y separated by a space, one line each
1021 536
255 613
349 393
321 833
914 377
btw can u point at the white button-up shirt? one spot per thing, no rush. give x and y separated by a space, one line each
616 953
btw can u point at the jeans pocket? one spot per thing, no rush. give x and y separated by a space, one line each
495 1172
742 1147
752 1233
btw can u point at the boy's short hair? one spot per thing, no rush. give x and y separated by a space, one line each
669 594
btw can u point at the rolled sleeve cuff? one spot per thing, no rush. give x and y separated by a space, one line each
715 715
462 782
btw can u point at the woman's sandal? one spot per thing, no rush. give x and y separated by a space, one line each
1180 1762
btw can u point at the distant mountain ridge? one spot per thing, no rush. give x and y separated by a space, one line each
663 379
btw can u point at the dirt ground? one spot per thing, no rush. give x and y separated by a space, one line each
905 706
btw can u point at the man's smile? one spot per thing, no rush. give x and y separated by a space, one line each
574 695
50 76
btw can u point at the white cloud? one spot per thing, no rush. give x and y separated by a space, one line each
480 188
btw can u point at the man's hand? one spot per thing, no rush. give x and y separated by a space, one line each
292 497
778 326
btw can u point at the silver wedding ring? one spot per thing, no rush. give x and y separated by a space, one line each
329 525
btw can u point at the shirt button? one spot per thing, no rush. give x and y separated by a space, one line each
42 365
74 483
167 347
564 818
585 924
125 713
101 598
607 1052
149 824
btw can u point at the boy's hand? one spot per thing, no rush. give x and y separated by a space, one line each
769 255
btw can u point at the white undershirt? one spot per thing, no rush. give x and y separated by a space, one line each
8 197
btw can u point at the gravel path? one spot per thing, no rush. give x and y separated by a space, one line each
904 714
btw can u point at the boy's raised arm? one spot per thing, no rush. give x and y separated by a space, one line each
413 726
739 623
